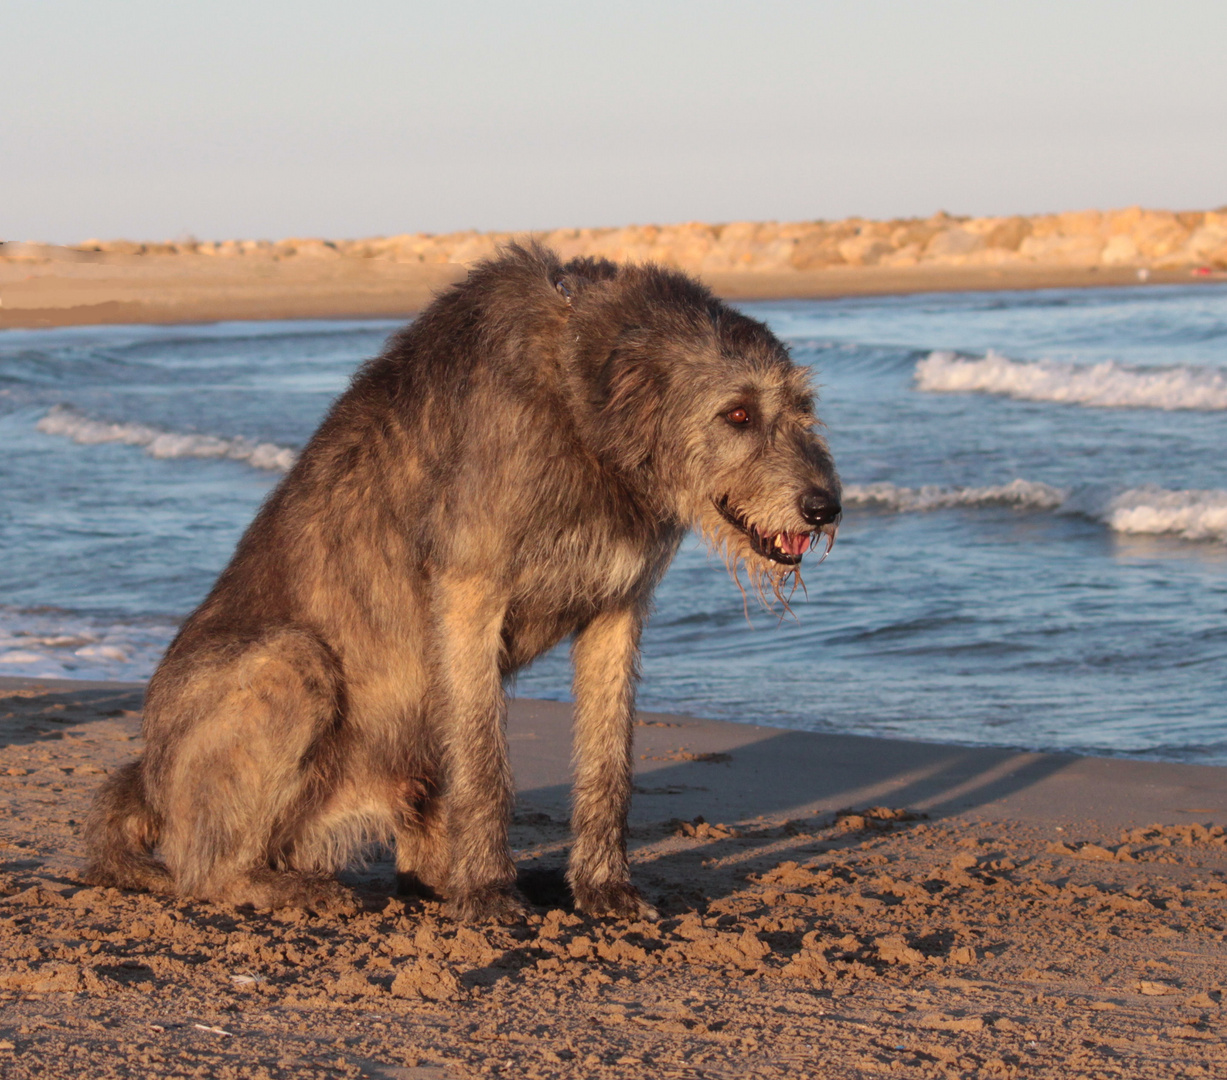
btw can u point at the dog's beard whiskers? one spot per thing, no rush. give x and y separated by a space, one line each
764 577
722 540
778 585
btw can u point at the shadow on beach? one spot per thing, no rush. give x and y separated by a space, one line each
38 710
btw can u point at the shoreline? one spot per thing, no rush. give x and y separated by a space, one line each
812 771
731 731
401 296
100 283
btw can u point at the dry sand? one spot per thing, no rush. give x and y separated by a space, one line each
71 291
833 907
193 289
189 281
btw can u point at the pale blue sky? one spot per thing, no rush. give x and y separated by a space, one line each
266 118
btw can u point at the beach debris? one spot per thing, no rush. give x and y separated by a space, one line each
880 818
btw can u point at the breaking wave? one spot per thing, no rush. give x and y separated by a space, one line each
1024 494
68 422
1191 515
1107 385
1144 511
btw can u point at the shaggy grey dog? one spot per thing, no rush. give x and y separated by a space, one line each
517 467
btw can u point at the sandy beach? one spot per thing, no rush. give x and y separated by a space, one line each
832 907
124 281
196 289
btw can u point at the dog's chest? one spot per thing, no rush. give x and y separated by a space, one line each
557 596
589 569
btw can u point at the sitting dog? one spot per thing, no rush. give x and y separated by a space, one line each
519 466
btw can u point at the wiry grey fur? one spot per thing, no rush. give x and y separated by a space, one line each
518 466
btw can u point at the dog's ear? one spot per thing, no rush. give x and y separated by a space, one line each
579 275
631 415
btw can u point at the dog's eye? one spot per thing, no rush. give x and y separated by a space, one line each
737 416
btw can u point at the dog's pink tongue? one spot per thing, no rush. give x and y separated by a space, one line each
795 543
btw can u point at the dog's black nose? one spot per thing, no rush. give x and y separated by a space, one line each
820 507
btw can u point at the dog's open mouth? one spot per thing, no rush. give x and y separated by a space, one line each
786 548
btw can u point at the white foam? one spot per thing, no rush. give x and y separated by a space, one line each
16 656
104 652
1105 385
1024 494
46 643
1152 511
1148 511
67 421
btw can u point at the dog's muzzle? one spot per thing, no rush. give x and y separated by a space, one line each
785 548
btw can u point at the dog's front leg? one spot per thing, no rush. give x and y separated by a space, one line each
473 710
605 655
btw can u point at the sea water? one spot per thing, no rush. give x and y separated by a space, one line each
1033 552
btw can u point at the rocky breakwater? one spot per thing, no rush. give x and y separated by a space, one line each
1134 237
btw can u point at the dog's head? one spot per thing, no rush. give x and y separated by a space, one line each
760 482
706 406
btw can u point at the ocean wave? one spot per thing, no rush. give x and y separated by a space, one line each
51 644
68 422
1152 511
1104 385
1024 494
1143 511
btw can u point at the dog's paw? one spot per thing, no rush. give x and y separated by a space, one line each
617 898
318 895
493 903
267 890
323 896
411 886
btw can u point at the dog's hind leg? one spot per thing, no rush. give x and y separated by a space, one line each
243 774
605 656
472 717
121 833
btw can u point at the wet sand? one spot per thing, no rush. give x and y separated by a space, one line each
832 906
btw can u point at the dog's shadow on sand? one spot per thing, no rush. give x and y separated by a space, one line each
761 790
787 785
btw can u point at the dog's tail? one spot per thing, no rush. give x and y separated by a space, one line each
121 833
